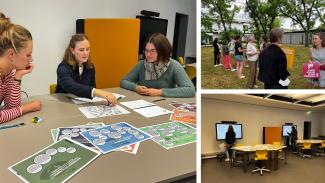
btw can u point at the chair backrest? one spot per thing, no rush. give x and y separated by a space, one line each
52 88
307 145
276 143
191 71
181 60
238 145
323 143
261 154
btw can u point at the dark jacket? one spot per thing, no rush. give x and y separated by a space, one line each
237 46
70 81
216 46
230 137
294 135
272 65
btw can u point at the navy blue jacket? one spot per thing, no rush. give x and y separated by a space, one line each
70 81
273 65
230 137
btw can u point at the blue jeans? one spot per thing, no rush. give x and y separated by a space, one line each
230 151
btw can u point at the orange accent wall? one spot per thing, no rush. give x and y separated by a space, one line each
273 134
114 45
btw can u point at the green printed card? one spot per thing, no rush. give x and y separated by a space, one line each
171 134
55 163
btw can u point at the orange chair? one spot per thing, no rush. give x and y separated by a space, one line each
261 155
306 149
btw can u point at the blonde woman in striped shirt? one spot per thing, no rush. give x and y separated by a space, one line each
15 61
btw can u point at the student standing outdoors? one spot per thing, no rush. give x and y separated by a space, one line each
216 53
317 54
239 57
273 63
252 56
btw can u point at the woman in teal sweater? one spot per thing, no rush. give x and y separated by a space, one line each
158 74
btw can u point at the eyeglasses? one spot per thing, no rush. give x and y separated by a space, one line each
150 51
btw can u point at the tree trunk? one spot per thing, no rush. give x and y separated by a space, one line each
306 38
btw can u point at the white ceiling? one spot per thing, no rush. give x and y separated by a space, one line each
249 99
307 97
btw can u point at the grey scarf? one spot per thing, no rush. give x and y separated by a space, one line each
154 70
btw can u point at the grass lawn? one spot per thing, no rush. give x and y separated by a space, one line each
217 78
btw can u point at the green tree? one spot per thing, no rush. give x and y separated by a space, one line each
264 15
206 27
320 9
301 12
222 12
230 34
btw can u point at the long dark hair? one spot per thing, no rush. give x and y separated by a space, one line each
230 129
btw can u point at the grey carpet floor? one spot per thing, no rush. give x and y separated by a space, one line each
298 170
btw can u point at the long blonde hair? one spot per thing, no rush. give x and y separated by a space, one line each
69 58
12 35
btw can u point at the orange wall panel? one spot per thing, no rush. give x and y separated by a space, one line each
273 134
114 45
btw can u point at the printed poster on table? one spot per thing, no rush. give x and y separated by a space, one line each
99 111
74 134
171 134
55 131
56 163
132 149
191 107
115 136
183 116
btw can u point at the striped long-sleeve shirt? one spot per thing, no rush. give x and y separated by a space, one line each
10 94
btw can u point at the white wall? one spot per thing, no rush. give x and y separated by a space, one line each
53 22
253 118
323 125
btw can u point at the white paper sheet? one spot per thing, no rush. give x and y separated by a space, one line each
152 111
102 111
79 100
286 82
136 104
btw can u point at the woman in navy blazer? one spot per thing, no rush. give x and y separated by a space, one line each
76 73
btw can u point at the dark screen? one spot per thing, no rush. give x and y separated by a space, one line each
150 26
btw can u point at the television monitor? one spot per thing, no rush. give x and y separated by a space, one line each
222 128
286 129
148 26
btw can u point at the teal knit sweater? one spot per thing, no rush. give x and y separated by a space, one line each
174 82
